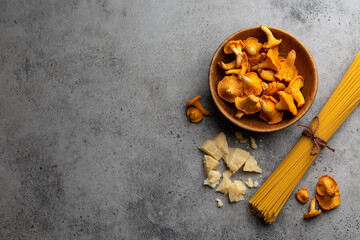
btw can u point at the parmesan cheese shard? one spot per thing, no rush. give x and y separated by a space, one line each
253 143
256 184
210 164
251 165
236 191
209 147
249 183
221 143
235 158
213 178
219 202
224 185
227 174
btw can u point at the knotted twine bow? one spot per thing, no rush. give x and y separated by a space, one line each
310 133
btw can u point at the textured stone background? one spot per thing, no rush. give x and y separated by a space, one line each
94 141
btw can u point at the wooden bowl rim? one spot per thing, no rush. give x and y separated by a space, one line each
275 127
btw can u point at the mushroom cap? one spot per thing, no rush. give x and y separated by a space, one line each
287 69
229 88
252 83
194 114
302 195
326 185
269 113
248 105
294 90
327 202
286 103
189 103
252 46
236 43
271 40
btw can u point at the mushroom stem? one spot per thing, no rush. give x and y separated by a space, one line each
313 212
227 66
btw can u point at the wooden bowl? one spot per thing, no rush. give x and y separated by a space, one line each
304 63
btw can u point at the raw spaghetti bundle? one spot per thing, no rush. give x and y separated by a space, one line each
271 197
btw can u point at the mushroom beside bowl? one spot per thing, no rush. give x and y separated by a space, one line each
304 63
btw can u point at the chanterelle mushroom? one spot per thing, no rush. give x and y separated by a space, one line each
271 60
313 212
267 75
287 69
294 90
327 193
252 46
248 105
235 46
252 83
194 114
273 88
230 87
286 103
268 111
271 40
196 103
244 67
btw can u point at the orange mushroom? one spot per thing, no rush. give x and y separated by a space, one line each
271 60
235 46
313 212
252 46
195 102
267 75
229 88
287 69
294 90
273 89
327 193
227 66
248 105
255 59
271 40
302 195
194 114
286 103
244 67
269 113
252 83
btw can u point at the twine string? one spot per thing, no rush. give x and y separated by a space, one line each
311 133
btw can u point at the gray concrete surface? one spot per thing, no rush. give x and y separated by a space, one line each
94 141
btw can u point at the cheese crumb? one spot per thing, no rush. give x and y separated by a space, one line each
239 136
213 178
219 203
236 191
249 183
256 184
253 143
